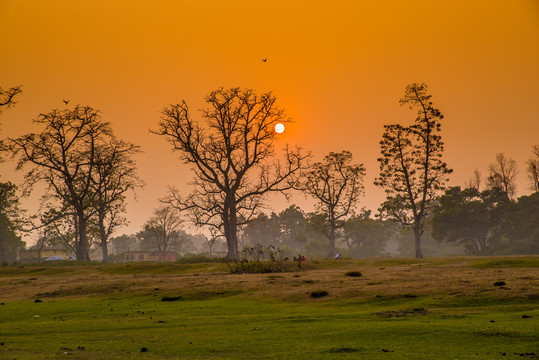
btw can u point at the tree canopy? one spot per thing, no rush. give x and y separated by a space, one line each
85 168
7 97
412 172
337 185
231 152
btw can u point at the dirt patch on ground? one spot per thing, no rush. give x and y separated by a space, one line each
401 313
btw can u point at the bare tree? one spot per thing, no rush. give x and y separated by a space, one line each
411 168
475 181
212 240
113 176
502 175
163 228
63 157
59 228
7 97
533 169
230 155
337 185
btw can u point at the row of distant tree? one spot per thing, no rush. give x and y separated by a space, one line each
87 172
463 222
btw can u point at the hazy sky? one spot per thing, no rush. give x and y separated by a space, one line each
337 67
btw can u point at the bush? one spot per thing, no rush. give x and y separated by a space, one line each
319 294
171 298
353 273
259 259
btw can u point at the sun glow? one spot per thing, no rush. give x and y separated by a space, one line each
279 128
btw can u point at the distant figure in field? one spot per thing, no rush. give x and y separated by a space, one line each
338 256
299 259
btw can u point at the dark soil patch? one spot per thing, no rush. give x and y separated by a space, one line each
319 294
402 313
343 350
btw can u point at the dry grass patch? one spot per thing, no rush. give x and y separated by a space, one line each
454 277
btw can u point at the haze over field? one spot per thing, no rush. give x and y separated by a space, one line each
337 68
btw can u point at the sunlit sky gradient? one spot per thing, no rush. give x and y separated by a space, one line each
337 67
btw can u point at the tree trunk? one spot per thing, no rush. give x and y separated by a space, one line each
105 251
332 227
103 239
230 227
82 250
417 235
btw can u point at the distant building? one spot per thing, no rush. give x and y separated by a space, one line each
28 256
156 256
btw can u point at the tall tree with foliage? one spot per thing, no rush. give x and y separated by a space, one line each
503 175
471 218
337 184
412 172
231 151
367 237
294 226
286 230
264 229
63 157
521 228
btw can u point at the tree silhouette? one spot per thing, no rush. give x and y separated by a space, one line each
63 157
469 217
7 97
475 180
10 218
114 175
533 169
412 172
230 152
337 185
162 230
502 175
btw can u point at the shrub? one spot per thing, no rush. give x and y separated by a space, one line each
499 283
319 294
259 259
353 273
171 298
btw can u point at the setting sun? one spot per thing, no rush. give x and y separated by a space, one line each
279 128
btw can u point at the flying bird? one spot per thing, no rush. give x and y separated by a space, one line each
66 101
264 60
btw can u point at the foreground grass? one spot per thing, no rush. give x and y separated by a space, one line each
443 308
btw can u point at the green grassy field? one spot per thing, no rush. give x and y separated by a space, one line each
398 309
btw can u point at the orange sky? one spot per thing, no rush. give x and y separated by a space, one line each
337 67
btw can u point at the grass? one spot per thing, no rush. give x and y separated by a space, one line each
504 262
442 309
